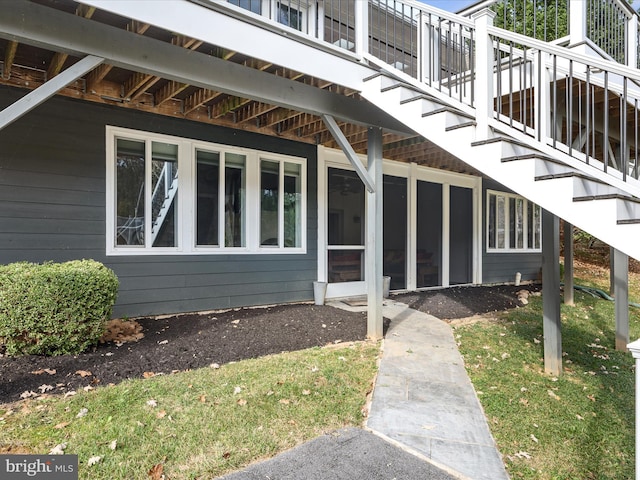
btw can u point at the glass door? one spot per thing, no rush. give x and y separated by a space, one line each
461 236
395 231
429 234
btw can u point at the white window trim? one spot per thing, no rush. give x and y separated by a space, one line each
186 241
507 234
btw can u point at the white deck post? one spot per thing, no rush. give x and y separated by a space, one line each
361 9
577 21
621 281
632 42
568 263
484 72
373 265
634 348
552 327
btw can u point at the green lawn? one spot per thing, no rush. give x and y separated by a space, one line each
202 423
579 425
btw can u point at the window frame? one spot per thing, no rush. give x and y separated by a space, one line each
507 248
186 197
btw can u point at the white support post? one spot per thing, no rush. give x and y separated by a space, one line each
373 265
577 21
621 280
484 72
362 27
568 263
552 326
634 348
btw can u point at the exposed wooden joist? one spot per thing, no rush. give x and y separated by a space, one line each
168 91
97 75
199 98
9 57
75 35
57 62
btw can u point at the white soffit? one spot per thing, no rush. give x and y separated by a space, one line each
196 21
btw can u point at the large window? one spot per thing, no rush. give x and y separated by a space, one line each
230 199
513 223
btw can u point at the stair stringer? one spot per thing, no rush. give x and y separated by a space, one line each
597 217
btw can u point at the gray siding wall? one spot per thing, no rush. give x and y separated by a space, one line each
502 267
52 207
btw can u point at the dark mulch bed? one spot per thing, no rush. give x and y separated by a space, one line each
463 302
192 341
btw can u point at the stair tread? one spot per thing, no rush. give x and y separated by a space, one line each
471 123
448 109
606 196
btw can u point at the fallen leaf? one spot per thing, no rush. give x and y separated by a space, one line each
50 371
226 455
522 454
62 425
28 394
535 340
428 427
84 373
58 449
156 472
553 395
161 414
524 401
591 397
163 342
242 402
237 390
533 437
93 460
45 388
203 398
88 388
113 445
82 413
235 322
579 417
152 403
306 392
215 366
285 401
148 374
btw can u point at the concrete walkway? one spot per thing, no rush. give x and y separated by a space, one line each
424 399
425 421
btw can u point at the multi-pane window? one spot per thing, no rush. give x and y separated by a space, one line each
280 204
229 200
146 193
513 223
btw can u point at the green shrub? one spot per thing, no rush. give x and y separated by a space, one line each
54 308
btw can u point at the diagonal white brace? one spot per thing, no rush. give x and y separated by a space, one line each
349 152
48 89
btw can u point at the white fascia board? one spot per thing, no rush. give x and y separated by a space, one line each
274 43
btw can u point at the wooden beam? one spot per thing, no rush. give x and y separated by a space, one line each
9 57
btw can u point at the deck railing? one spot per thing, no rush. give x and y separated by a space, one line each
582 105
